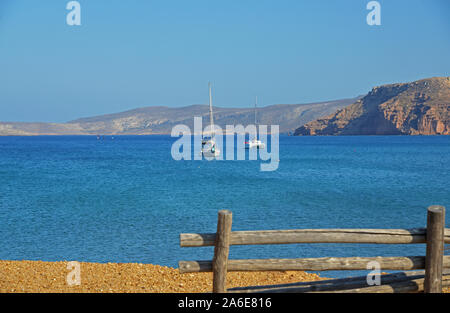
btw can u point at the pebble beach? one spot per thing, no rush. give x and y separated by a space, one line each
50 277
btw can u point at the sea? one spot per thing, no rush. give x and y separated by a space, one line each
125 199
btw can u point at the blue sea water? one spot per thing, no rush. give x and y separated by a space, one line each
126 200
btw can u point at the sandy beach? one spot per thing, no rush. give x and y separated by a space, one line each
50 277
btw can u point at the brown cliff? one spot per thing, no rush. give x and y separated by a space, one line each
417 108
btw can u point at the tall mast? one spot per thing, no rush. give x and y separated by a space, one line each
256 125
256 102
211 119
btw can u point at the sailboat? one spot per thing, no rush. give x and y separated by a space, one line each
209 148
254 142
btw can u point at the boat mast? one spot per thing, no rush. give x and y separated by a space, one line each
256 125
256 102
211 119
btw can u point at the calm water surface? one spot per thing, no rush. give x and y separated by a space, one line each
127 200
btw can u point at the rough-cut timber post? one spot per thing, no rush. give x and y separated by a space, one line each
435 249
222 247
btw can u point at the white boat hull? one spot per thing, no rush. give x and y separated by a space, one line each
211 154
255 144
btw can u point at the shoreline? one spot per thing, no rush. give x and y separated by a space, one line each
51 277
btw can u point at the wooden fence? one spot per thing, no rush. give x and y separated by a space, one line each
431 280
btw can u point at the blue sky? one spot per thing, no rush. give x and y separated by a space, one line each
134 53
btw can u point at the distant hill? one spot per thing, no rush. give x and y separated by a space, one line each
161 119
417 108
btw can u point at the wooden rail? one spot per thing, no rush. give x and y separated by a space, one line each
312 264
397 282
434 236
266 237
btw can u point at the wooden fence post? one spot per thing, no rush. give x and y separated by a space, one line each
221 250
435 249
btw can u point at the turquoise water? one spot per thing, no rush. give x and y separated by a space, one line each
126 200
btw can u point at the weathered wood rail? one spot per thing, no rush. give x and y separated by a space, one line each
267 237
430 280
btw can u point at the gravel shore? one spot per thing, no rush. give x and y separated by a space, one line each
49 277
38 276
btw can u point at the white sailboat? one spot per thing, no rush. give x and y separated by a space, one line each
209 148
254 142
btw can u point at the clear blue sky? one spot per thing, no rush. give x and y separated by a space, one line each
134 53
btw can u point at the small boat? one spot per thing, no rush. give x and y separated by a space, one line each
255 142
209 148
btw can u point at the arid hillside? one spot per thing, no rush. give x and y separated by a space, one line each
417 108
160 119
